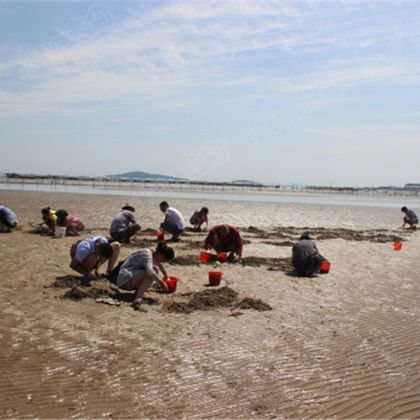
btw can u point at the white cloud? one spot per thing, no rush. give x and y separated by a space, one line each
173 46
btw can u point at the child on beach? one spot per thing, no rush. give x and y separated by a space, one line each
199 217
91 253
141 269
73 224
50 219
225 238
305 256
410 218
8 219
173 223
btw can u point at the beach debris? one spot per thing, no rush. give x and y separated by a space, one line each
108 301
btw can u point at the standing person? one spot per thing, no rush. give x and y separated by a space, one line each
91 253
225 238
199 217
410 218
305 256
8 219
173 223
124 225
141 269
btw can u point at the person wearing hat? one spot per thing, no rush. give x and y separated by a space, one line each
305 256
124 225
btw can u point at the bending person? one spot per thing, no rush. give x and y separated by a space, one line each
410 218
305 256
90 253
141 269
199 217
225 238
50 219
73 224
173 223
8 219
124 225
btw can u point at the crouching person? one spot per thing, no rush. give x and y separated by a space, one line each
90 253
141 269
305 256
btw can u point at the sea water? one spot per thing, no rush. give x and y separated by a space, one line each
259 208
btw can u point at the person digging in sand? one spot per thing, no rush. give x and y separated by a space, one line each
141 269
173 223
225 238
124 225
49 218
199 217
305 256
410 218
73 224
91 253
8 219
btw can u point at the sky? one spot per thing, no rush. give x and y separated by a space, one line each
320 93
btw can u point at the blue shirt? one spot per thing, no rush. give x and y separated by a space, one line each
8 214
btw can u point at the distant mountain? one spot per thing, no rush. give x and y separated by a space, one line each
146 176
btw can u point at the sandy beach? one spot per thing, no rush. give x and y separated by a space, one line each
263 344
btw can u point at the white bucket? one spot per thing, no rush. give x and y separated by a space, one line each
60 231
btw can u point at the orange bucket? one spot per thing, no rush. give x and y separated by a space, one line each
325 267
205 256
215 277
222 256
160 236
397 246
171 282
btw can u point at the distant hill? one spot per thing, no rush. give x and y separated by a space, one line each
146 176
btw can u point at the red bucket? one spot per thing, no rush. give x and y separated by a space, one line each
205 256
160 236
171 282
325 267
215 277
397 246
222 256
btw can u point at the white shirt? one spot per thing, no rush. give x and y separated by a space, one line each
175 217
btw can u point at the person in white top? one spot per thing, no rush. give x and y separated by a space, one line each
90 253
173 223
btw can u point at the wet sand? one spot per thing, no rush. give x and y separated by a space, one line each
263 344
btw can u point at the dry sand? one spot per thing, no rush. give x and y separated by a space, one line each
264 344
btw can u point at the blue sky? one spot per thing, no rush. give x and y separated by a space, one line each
298 92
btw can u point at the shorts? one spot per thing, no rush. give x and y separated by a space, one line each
171 227
127 274
126 233
73 248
